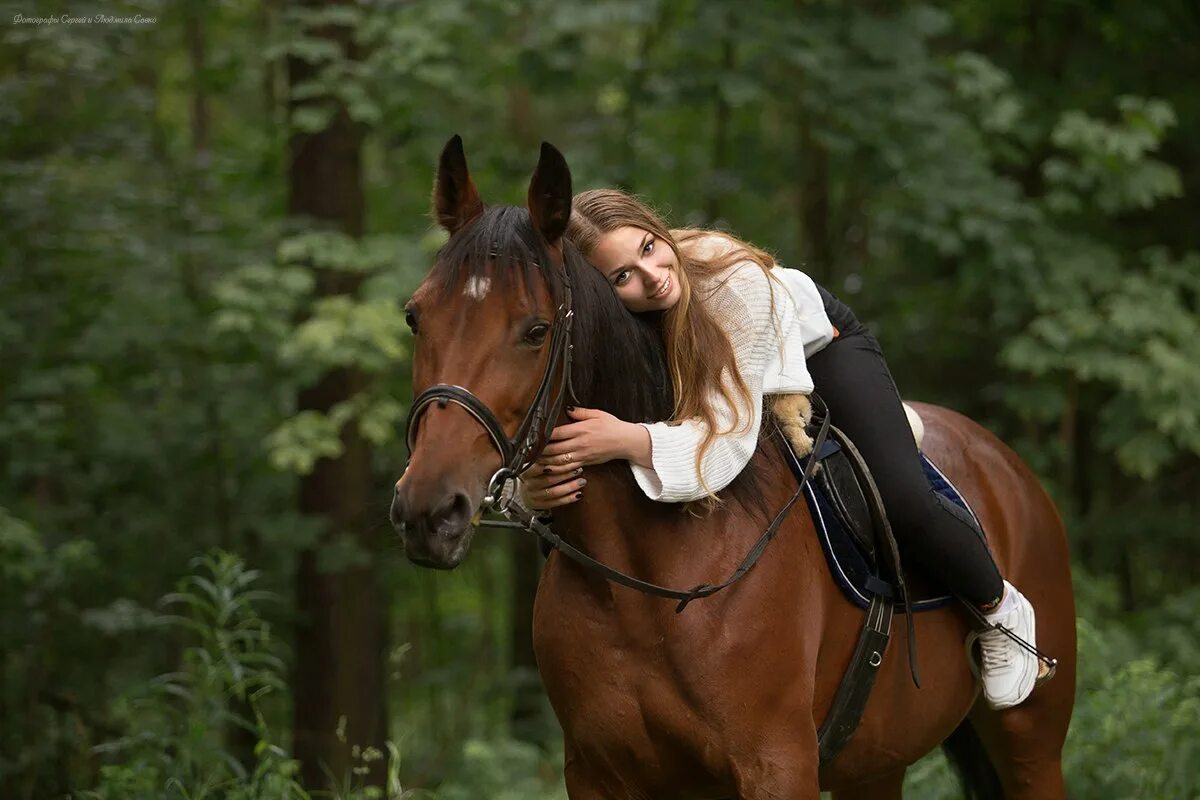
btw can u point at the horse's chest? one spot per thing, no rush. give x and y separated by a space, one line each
624 706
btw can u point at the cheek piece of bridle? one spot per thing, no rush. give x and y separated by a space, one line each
518 453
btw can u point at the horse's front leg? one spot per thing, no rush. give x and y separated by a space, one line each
779 770
582 783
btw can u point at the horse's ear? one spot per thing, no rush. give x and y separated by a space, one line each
550 194
455 198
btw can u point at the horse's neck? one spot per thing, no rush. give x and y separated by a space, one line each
658 542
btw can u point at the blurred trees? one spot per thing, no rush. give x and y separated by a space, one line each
208 226
339 699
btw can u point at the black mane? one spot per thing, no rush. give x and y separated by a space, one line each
619 362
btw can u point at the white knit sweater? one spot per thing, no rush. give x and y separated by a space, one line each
770 350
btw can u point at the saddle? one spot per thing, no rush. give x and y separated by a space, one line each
845 519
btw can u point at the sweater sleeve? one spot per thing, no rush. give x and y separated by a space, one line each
744 310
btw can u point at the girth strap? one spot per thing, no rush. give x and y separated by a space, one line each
855 689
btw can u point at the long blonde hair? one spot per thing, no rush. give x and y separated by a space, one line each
699 353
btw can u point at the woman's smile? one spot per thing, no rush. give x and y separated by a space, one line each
640 268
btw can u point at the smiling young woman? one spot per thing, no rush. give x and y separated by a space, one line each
737 327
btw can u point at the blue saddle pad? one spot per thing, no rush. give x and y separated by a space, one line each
847 562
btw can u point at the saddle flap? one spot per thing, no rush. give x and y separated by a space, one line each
838 480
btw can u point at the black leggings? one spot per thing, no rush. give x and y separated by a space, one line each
853 379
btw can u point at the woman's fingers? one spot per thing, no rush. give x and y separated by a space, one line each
540 494
564 489
569 453
540 483
555 451
553 467
571 498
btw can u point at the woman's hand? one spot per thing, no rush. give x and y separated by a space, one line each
543 488
594 437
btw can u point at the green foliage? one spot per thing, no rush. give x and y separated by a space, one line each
188 720
1133 332
257 308
37 580
1135 729
1112 162
1005 197
505 770
181 721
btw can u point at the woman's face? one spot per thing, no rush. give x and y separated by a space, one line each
640 267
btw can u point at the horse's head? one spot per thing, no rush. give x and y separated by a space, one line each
491 325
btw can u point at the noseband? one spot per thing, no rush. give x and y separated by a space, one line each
518 453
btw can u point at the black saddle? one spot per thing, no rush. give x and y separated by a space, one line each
846 522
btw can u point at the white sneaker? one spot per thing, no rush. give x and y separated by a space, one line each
1009 671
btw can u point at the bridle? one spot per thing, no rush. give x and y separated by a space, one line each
516 454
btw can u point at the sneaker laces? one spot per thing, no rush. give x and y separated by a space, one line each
995 650
998 645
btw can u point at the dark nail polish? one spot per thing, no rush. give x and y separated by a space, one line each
570 408
545 470
579 496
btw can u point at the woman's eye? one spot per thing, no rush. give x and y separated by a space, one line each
537 334
622 277
648 248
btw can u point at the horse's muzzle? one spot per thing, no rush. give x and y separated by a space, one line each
438 538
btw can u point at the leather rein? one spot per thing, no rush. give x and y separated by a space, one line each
519 453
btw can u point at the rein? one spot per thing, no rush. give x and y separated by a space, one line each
524 519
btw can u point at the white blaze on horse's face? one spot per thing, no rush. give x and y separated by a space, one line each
477 287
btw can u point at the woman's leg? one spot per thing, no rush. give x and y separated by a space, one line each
853 379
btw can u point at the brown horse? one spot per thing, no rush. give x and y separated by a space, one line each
724 699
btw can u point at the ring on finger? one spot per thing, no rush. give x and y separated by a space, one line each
567 458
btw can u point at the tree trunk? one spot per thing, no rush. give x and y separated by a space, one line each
240 741
718 181
626 171
340 640
816 246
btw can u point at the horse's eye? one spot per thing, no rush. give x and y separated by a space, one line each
537 334
411 319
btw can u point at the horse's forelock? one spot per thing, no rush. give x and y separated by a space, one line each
500 246
619 361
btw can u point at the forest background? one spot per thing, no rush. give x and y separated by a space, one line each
210 219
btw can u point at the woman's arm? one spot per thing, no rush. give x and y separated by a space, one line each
595 436
662 455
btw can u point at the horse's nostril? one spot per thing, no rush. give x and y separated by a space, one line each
453 512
